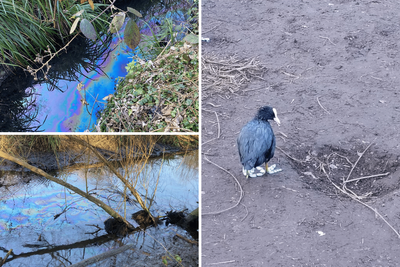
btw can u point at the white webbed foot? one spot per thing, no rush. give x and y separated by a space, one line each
249 173
272 169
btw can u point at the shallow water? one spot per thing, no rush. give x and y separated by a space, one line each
65 110
28 212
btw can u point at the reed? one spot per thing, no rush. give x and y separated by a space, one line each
29 28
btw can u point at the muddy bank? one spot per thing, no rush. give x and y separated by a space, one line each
331 71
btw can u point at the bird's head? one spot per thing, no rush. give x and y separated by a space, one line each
268 113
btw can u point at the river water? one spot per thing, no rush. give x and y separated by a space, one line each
30 226
63 110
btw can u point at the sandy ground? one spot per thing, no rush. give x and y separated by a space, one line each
332 72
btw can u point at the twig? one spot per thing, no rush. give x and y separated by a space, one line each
203 32
241 189
187 240
164 49
208 141
103 256
34 71
222 262
322 106
5 258
282 134
327 39
366 177
219 128
247 213
355 164
354 197
111 5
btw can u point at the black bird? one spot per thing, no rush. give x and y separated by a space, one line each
256 142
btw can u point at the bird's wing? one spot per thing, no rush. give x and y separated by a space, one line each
254 143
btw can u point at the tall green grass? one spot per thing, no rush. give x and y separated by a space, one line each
28 28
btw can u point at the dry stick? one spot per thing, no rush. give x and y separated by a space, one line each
322 106
366 177
355 164
327 39
359 201
222 262
241 190
247 212
187 239
89 197
203 32
103 256
208 141
5 258
219 128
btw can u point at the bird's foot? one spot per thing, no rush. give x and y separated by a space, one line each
272 169
250 173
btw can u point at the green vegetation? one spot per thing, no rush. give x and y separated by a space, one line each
30 29
157 96
160 91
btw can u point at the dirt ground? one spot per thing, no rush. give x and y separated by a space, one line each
332 72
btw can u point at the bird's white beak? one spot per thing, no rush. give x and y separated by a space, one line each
276 119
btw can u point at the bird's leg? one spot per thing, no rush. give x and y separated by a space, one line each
249 173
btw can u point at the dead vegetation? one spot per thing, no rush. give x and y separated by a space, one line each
222 76
157 96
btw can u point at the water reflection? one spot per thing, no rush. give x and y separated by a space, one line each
56 105
47 225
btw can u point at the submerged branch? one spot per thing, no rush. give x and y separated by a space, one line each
99 203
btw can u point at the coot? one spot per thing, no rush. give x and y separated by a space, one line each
256 143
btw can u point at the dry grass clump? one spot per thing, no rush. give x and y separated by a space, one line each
228 75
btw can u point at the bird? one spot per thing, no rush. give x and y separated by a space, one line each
256 143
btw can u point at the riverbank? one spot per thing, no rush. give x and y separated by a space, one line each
156 96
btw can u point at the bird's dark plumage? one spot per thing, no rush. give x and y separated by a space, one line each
256 141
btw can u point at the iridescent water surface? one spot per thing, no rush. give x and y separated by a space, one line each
65 110
31 224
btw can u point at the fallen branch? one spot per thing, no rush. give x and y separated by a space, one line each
89 197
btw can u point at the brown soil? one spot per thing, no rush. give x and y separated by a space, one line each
332 72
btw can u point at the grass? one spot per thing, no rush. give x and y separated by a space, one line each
29 28
23 145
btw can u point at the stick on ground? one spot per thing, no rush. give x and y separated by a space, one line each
241 190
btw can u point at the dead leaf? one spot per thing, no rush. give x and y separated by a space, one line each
108 97
73 27
91 4
79 86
